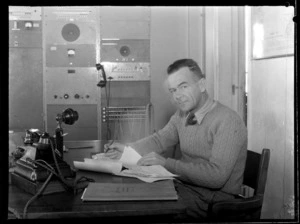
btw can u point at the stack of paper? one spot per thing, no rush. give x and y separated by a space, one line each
129 158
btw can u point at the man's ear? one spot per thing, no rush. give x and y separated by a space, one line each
166 86
202 84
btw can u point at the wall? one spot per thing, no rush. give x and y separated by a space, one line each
271 103
271 125
175 34
225 56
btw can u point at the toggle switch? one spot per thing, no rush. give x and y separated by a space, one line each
28 25
71 52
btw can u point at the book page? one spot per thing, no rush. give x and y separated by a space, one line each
130 156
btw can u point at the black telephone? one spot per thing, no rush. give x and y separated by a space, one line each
101 83
49 149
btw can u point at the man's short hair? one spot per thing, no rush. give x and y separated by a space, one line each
189 63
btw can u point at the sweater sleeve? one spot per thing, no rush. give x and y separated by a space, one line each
159 141
229 138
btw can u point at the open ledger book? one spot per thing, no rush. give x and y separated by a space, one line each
126 166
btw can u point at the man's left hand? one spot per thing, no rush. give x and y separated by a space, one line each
152 159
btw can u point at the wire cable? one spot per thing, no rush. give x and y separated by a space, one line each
42 163
36 195
108 133
14 211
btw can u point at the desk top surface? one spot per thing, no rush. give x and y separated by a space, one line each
68 205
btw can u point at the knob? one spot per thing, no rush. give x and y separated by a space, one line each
55 96
87 96
76 96
66 96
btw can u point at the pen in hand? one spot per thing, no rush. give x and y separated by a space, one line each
106 147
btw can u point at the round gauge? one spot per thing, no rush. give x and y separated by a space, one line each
124 51
70 32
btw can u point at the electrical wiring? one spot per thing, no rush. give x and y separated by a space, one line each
61 177
69 187
15 212
36 195
108 133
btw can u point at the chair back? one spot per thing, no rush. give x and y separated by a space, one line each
255 176
256 169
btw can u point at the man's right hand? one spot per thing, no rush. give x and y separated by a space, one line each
114 150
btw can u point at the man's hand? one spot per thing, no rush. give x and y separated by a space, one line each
114 150
152 159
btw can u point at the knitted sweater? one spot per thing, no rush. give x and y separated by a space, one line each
213 153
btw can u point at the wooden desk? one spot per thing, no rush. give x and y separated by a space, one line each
67 205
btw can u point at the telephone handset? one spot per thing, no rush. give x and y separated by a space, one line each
101 83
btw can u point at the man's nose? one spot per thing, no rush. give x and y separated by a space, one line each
178 95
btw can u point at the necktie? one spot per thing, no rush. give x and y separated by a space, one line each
191 119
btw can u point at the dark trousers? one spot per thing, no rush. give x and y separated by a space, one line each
197 199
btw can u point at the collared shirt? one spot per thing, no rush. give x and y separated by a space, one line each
208 106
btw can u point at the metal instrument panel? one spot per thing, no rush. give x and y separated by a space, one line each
127 71
72 14
71 86
125 50
71 55
25 13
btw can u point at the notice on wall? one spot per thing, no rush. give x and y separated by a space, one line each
272 31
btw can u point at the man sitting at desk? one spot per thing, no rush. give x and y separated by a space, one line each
212 139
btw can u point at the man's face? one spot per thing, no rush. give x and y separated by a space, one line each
186 89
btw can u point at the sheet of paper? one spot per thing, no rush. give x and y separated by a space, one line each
101 156
130 156
145 179
149 171
106 166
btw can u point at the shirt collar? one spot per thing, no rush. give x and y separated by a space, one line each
207 107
